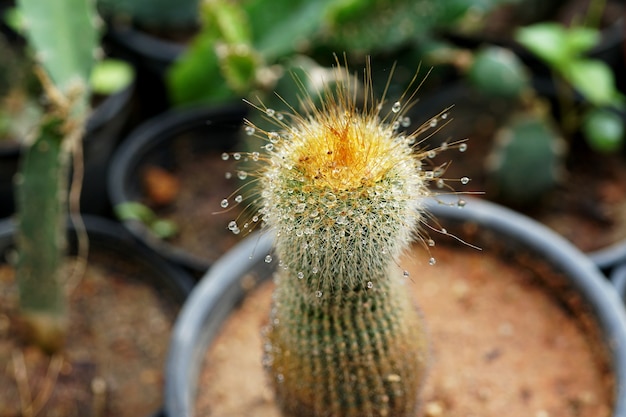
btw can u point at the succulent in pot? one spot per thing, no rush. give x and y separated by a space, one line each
344 191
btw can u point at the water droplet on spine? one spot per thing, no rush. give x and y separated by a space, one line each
239 199
397 106
268 259
225 156
463 147
250 130
224 203
464 180
432 261
370 284
318 294
300 275
270 112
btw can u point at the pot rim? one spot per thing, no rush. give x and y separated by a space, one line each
219 291
147 136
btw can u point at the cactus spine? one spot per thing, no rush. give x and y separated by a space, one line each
63 35
342 187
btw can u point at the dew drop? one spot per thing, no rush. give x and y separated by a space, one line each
270 112
406 121
464 180
370 284
405 274
397 106
431 242
268 259
444 146
249 130
273 137
225 156
433 123
239 198
432 261
255 156
444 116
431 154
440 183
242 175
279 116
318 294
463 147
232 225
300 275
237 156
461 203
269 147
224 203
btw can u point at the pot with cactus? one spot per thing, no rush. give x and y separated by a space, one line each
343 191
557 134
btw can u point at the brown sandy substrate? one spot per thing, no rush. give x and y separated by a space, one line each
501 347
112 364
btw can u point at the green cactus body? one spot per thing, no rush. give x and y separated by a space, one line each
343 187
63 37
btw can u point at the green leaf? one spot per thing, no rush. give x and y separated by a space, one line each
581 39
133 210
546 40
603 130
110 76
593 79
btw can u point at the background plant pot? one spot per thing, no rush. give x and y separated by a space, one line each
129 266
579 216
224 286
102 134
151 56
171 142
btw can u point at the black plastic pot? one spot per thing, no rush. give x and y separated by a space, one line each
153 143
102 134
106 236
478 117
221 290
151 57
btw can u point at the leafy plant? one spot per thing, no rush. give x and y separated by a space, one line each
563 50
244 49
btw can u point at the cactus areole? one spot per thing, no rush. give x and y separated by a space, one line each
342 187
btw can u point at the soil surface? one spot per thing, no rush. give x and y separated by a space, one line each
114 355
201 180
501 347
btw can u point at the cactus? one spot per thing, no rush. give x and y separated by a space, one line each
63 37
161 14
527 160
342 186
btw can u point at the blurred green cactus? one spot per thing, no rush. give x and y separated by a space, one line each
162 14
527 159
63 36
